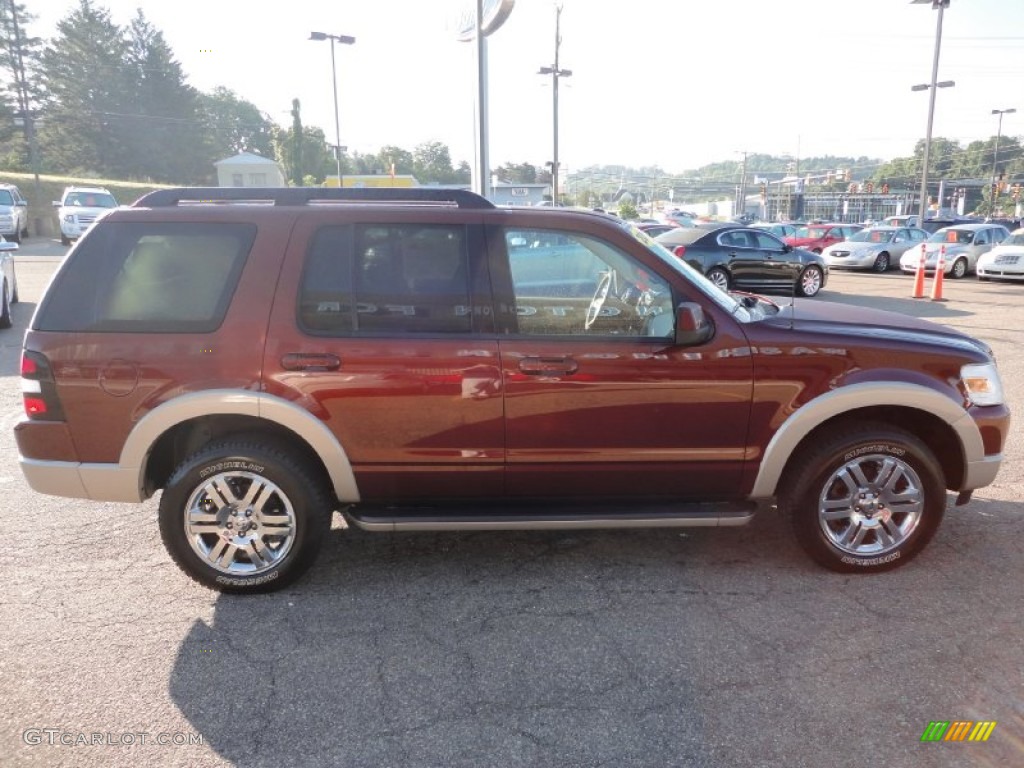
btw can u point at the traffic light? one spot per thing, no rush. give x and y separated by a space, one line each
885 188
1016 192
870 187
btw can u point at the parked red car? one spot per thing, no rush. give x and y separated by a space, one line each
818 237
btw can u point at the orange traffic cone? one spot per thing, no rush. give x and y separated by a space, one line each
919 276
940 267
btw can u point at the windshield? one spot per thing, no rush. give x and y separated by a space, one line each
91 200
1016 239
956 236
872 236
6 198
726 301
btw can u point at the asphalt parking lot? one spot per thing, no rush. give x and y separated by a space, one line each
645 648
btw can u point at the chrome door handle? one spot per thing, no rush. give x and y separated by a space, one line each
548 366
310 361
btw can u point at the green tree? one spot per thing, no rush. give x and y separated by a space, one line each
432 162
401 158
19 61
234 125
164 137
85 81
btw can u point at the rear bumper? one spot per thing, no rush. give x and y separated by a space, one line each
98 482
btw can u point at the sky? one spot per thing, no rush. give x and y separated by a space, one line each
669 83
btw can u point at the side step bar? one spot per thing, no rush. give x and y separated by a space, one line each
540 516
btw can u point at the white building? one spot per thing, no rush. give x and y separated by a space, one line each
248 170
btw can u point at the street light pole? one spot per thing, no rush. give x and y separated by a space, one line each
345 40
995 155
555 73
940 6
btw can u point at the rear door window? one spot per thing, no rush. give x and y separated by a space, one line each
387 278
149 278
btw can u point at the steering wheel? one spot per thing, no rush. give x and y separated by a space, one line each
596 303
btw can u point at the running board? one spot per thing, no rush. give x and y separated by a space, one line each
526 518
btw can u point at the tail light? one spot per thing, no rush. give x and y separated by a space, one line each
38 388
679 250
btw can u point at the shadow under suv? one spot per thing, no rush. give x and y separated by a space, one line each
424 360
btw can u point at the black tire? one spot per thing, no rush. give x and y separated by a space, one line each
810 281
881 263
14 293
720 277
893 513
64 240
959 269
293 498
16 237
5 307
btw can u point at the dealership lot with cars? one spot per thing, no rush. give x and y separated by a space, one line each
690 648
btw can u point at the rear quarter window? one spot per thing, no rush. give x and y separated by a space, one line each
149 278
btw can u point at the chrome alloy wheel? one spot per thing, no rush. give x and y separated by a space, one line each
810 281
870 505
239 523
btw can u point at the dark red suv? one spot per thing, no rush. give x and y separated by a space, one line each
423 360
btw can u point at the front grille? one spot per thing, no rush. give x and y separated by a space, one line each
1008 258
840 254
86 218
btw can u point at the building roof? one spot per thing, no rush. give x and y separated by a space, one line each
246 158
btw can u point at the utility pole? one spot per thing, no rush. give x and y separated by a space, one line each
555 73
741 202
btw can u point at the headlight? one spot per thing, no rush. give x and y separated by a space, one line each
69 218
982 384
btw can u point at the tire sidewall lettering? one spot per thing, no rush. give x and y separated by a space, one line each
254 581
886 448
866 562
223 466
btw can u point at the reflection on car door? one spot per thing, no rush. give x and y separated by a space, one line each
589 403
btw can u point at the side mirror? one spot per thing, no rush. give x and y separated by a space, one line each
692 326
56 203
786 247
22 203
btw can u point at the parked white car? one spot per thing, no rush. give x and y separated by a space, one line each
78 209
13 213
1005 261
874 248
8 281
964 244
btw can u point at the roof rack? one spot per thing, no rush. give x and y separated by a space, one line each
162 198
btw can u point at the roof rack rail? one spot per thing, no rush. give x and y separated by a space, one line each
162 198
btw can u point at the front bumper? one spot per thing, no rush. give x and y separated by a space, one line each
851 261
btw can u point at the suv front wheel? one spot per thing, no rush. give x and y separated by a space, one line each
243 516
868 498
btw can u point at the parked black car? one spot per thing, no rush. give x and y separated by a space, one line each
747 258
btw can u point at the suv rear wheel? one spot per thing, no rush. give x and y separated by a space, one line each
243 516
867 499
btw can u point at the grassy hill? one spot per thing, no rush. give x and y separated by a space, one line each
42 216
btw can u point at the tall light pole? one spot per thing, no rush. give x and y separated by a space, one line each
995 154
940 6
344 40
555 73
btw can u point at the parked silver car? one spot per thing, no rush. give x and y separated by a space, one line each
875 248
9 286
964 244
13 213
